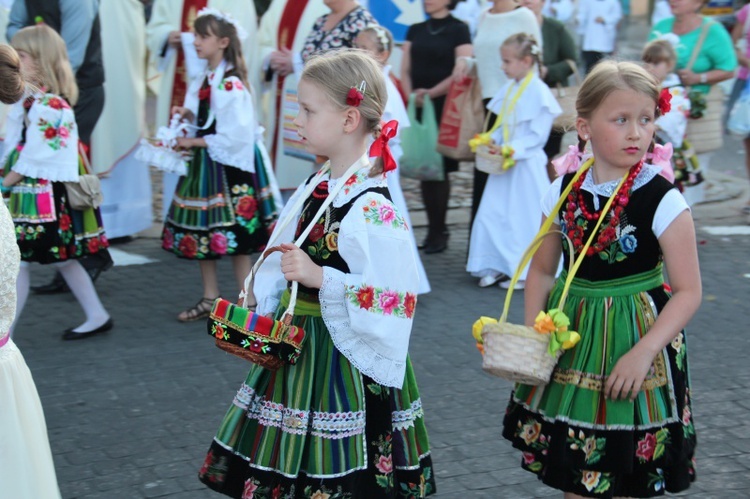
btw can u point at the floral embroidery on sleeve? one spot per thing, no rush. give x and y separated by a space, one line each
231 84
379 213
55 136
382 301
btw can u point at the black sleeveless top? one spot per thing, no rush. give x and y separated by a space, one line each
635 249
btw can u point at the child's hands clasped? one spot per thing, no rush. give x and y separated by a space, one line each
626 379
297 266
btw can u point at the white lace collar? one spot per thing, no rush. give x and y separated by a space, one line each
355 184
606 189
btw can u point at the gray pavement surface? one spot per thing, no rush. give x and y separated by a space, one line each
131 413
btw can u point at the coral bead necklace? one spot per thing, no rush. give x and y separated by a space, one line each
608 233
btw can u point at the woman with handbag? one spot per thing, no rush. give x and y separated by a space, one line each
429 55
41 154
499 21
705 57
558 62
345 419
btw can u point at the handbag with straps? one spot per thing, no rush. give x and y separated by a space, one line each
262 340
520 353
87 191
705 133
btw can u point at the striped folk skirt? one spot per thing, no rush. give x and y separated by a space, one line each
320 428
577 440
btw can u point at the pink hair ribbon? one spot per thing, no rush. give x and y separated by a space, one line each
570 161
661 157
380 148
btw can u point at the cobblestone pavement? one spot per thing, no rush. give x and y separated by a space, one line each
131 413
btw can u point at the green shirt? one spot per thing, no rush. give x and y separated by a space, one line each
717 51
557 46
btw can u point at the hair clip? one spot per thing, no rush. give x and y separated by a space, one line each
534 48
222 16
356 95
665 101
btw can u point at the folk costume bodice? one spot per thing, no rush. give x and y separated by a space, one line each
370 281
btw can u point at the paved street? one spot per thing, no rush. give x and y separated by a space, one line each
132 412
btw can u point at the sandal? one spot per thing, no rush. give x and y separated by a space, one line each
200 310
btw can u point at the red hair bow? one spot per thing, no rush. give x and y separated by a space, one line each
665 101
380 148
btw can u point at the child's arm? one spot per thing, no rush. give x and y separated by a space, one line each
541 276
185 143
11 178
297 266
681 258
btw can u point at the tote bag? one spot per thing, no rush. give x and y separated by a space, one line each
420 159
461 120
739 118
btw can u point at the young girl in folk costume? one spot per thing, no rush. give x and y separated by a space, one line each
224 205
346 420
378 41
41 153
615 419
509 210
660 58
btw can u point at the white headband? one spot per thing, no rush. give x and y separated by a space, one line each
381 34
208 11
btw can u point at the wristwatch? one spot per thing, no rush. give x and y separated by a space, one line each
704 78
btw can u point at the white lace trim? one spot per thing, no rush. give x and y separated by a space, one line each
220 155
48 170
8 350
385 371
406 418
606 189
162 158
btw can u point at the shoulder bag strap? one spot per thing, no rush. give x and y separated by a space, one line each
699 45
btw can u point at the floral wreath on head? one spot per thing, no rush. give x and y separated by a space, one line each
381 34
222 16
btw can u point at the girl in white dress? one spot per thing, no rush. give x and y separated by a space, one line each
378 41
509 212
26 468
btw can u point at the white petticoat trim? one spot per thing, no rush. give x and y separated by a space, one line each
51 171
163 158
406 418
385 371
221 155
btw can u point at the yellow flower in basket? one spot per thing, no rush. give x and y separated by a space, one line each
480 139
555 323
476 329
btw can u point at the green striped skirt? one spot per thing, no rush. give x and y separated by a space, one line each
577 440
320 427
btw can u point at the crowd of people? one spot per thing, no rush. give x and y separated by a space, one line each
280 135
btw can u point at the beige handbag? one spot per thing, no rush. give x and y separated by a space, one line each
706 133
566 97
87 192
461 120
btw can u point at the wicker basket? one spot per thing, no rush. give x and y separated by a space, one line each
488 162
517 353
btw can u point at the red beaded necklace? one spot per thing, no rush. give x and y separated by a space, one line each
606 234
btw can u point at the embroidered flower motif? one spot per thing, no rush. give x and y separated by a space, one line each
218 243
64 222
247 206
50 133
256 346
628 243
319 494
410 303
218 331
384 465
317 232
646 447
590 479
167 239
228 85
388 301
383 213
204 93
332 241
530 432
93 245
250 488
63 132
589 447
686 415
188 246
677 342
63 253
55 103
386 213
365 297
528 458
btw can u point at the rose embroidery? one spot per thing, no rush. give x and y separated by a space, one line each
247 206
410 303
646 447
249 491
188 246
389 300
218 243
365 297
591 479
384 465
317 232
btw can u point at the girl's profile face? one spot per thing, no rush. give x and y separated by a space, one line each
620 128
660 70
320 124
514 67
208 46
366 41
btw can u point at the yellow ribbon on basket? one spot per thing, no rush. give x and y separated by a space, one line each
554 322
485 138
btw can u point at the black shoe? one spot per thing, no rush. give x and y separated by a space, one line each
69 334
57 285
437 245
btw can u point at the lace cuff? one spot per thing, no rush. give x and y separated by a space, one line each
332 294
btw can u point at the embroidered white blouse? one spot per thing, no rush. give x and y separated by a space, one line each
368 311
51 148
672 125
232 108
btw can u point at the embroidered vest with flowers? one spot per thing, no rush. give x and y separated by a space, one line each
635 248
